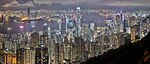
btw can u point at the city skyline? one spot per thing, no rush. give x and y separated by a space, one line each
70 31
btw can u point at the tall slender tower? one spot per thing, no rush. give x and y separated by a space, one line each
78 21
67 20
59 22
118 23
132 28
121 21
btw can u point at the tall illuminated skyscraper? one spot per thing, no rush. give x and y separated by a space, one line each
121 21
33 25
59 22
41 55
49 32
21 56
118 23
67 20
78 21
132 28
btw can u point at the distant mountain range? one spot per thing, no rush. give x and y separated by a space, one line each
84 5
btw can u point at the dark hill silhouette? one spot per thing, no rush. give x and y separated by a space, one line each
131 53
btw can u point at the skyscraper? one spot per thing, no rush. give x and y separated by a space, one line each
9 58
67 20
34 40
118 23
132 28
78 21
41 55
20 56
45 28
121 21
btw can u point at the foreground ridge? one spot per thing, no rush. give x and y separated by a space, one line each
131 53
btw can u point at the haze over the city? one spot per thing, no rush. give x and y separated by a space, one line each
98 2
91 3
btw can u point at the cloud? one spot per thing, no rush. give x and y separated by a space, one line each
31 3
27 4
2 2
17 4
126 4
63 1
23 1
11 4
99 2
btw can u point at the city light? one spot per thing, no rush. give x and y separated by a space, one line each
21 27
66 36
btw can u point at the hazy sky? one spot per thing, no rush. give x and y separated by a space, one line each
7 3
110 2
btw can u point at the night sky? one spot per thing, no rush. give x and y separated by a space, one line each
13 3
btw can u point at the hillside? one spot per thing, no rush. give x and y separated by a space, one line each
132 53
